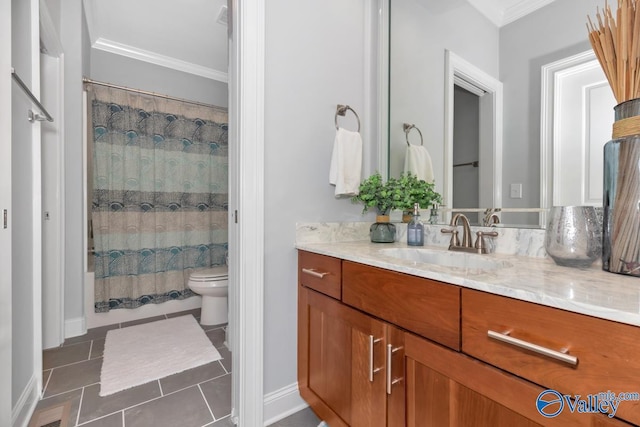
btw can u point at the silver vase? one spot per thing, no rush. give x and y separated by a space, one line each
574 236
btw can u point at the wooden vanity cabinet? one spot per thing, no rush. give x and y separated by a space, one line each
354 332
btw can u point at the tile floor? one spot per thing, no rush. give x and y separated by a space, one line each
195 398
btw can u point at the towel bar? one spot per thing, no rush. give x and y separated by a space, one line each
407 128
341 110
475 164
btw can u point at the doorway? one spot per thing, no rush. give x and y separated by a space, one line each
488 91
466 151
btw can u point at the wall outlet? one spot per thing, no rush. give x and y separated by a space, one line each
516 191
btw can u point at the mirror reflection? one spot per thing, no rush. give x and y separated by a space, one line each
473 87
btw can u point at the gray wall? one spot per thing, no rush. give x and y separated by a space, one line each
22 199
314 60
547 35
421 32
74 42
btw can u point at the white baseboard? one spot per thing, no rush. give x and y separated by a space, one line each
26 404
281 403
75 327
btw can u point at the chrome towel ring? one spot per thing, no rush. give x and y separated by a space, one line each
341 110
407 128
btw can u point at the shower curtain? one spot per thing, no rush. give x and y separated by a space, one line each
160 191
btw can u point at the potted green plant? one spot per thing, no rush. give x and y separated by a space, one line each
411 190
382 196
377 194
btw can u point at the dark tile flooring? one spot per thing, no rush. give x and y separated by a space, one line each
195 398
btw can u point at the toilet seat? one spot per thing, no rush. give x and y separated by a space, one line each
214 274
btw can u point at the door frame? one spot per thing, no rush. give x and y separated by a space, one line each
460 72
53 45
5 203
548 106
246 208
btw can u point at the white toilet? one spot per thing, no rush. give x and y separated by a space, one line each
213 285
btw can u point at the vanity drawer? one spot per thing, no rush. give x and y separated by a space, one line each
606 351
320 272
428 308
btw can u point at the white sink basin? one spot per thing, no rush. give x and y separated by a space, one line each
446 258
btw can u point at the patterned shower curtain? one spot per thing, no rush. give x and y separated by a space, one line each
160 191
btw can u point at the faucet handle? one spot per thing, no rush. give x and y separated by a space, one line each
454 236
480 243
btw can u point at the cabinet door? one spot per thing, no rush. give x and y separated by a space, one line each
341 369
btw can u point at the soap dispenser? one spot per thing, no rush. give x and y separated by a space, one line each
415 229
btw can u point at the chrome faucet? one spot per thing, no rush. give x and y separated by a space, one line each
479 247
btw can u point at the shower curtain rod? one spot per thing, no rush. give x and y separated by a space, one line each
145 92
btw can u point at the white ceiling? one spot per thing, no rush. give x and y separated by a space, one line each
180 34
184 34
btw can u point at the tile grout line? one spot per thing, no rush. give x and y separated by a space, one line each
90 350
44 389
75 363
196 384
153 399
206 403
80 406
68 391
96 419
222 365
160 387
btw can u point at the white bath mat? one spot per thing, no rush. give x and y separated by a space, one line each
139 354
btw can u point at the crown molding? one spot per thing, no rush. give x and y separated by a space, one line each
522 8
489 9
501 16
157 59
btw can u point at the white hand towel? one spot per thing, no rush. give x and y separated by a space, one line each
346 163
418 162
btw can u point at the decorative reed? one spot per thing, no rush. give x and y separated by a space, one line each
616 43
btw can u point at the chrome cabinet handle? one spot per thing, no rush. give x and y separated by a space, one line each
372 370
390 381
558 355
314 273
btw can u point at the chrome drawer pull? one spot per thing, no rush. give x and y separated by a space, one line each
314 273
390 382
558 355
372 370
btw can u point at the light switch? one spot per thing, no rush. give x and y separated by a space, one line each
516 191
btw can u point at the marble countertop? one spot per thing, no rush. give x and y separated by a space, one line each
539 280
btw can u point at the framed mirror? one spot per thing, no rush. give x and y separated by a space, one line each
510 47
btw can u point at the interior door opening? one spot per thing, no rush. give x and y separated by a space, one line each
466 151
